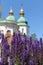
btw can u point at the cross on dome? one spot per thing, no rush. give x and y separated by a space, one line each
21 11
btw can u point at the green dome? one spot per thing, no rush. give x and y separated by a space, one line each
11 18
22 21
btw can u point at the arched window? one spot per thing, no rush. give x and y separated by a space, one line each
22 30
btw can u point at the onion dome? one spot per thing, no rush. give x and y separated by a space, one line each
11 16
22 20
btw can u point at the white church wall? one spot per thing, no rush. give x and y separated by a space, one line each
13 27
8 26
2 28
23 29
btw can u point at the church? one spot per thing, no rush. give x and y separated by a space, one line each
15 26
10 23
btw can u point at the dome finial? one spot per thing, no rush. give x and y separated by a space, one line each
11 11
21 11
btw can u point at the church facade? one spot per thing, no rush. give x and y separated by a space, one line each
10 23
14 25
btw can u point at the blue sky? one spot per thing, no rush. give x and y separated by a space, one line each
33 13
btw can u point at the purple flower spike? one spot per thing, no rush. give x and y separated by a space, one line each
11 62
30 40
41 41
32 62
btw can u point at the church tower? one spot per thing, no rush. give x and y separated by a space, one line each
23 24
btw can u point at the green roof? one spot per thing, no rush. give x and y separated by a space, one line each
22 21
11 18
7 21
2 21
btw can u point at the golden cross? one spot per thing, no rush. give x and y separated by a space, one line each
21 5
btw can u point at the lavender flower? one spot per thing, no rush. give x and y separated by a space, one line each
22 48
11 62
32 62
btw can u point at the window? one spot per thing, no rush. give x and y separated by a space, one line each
22 30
